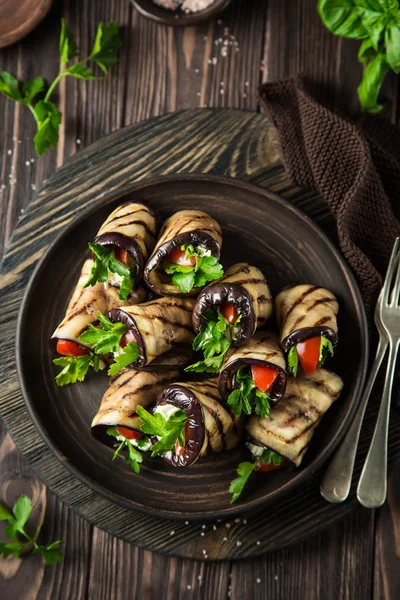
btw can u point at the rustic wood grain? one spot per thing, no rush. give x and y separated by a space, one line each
16 21
147 89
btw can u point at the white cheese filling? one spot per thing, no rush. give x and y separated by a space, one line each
202 250
145 443
113 280
166 410
255 449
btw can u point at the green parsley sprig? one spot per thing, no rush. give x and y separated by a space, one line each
185 278
46 114
133 456
106 339
326 350
168 430
75 368
21 541
377 24
248 398
245 469
105 261
214 339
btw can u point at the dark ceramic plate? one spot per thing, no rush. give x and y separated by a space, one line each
178 19
258 227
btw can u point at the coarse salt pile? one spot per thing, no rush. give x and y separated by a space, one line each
188 6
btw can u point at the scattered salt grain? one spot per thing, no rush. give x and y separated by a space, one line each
219 22
258 542
204 552
27 163
214 60
79 142
188 587
9 152
237 520
203 526
221 92
258 580
198 93
276 577
33 186
246 84
186 522
205 38
228 525
224 51
238 543
172 532
202 533
215 527
197 70
32 160
225 539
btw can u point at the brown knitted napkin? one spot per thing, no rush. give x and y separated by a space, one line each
356 168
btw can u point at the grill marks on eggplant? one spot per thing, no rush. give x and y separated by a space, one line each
306 311
292 422
128 390
184 227
85 303
158 325
142 230
262 349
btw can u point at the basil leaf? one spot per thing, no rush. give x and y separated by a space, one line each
369 87
392 42
342 17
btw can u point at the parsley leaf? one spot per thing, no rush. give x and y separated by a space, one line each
106 44
68 48
248 398
244 470
214 339
9 86
186 277
105 261
168 430
269 456
106 339
326 349
75 368
22 510
133 457
48 120
129 355
293 361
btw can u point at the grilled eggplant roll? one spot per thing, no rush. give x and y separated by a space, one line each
289 429
122 247
156 326
253 377
209 428
306 316
186 255
83 308
128 390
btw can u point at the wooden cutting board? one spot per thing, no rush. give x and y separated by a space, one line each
237 143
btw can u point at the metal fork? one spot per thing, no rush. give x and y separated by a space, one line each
336 483
371 490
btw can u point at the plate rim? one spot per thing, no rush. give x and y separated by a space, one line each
257 504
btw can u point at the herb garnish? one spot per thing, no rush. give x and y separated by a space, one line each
46 114
245 469
105 261
293 361
133 457
377 24
168 430
75 368
185 278
248 398
21 512
214 338
326 350
129 355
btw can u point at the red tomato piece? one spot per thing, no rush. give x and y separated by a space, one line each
229 312
180 450
308 352
129 434
69 348
178 256
270 467
122 255
127 339
263 377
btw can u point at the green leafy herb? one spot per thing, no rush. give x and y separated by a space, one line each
75 368
185 278
293 361
133 456
377 24
46 114
248 398
105 261
21 513
214 339
245 469
326 350
129 355
168 430
106 338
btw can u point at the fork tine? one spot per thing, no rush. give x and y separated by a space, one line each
395 291
390 271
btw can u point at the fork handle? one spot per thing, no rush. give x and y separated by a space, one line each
336 483
371 490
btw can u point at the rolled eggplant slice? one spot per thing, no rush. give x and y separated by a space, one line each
306 311
130 227
210 427
262 350
291 424
184 227
85 303
157 326
245 287
128 390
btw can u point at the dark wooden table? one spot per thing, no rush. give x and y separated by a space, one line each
160 70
